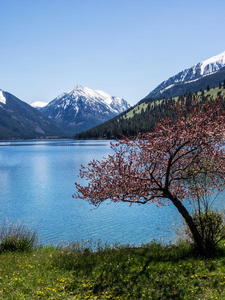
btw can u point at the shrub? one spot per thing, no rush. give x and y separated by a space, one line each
211 227
17 237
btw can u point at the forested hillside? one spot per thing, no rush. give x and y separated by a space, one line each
143 116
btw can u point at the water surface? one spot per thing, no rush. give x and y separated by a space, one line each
37 183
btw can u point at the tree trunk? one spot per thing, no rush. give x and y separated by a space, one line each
197 237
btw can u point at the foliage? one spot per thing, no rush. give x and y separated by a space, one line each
152 271
209 222
17 237
210 225
160 166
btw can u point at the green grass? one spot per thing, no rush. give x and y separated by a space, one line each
76 271
17 237
213 92
138 108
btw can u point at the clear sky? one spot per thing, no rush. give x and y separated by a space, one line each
123 47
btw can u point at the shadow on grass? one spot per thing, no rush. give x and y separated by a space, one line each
124 270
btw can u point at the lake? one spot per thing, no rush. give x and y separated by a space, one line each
37 183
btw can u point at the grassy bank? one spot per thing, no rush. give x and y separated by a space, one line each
149 272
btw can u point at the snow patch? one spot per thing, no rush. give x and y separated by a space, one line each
213 64
2 97
39 104
166 88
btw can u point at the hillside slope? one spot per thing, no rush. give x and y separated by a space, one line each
18 120
142 117
209 72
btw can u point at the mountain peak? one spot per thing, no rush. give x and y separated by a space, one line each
83 108
81 90
78 87
199 71
213 64
90 95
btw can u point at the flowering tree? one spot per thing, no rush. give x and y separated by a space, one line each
158 167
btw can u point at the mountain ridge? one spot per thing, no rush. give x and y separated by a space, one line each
83 108
142 117
178 84
19 120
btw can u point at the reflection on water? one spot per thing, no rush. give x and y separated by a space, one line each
70 143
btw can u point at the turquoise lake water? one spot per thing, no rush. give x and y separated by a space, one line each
37 183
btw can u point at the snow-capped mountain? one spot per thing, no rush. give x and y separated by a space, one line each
20 120
39 104
200 74
83 108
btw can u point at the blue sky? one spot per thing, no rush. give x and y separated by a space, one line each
123 47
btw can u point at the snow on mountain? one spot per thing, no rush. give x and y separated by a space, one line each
90 97
196 72
2 97
39 104
212 64
83 108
